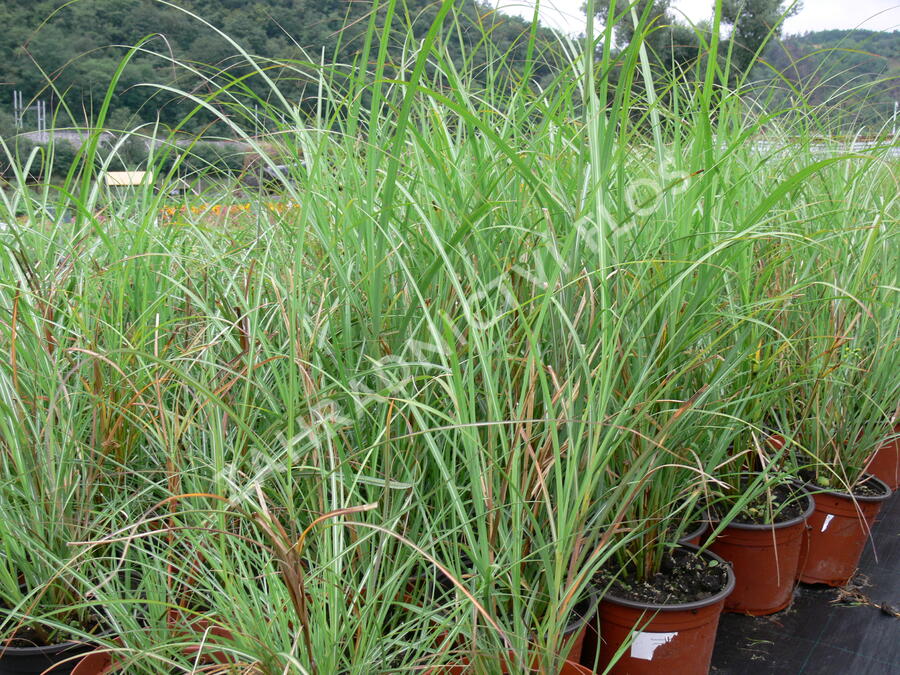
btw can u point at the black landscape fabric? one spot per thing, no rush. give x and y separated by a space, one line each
828 631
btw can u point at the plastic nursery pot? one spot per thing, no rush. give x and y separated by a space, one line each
96 663
669 639
58 659
775 441
692 538
582 613
208 636
204 651
836 534
885 462
764 559
568 668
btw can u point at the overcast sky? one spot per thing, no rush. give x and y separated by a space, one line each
815 15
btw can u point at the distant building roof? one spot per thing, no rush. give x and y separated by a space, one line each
119 178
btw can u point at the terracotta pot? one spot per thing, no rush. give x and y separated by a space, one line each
775 441
568 668
764 559
441 589
583 612
204 651
885 462
692 538
836 535
95 663
668 639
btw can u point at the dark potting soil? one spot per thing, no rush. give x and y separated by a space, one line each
26 636
784 501
867 490
864 488
683 577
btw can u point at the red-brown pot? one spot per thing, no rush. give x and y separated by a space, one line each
667 639
692 538
836 535
885 462
775 441
765 559
584 612
102 662
95 663
581 614
568 668
205 648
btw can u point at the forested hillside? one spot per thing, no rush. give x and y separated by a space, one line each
79 45
854 74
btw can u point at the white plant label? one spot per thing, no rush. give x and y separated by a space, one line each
645 644
828 519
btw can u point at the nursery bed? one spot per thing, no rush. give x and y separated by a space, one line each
819 634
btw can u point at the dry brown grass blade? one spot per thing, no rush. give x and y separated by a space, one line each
290 561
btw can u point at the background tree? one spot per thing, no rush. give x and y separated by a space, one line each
674 45
81 44
753 23
670 44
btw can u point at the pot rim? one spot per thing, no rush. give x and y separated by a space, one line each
696 532
719 596
592 598
77 643
814 489
451 667
40 650
807 512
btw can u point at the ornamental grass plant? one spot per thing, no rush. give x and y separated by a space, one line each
846 333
